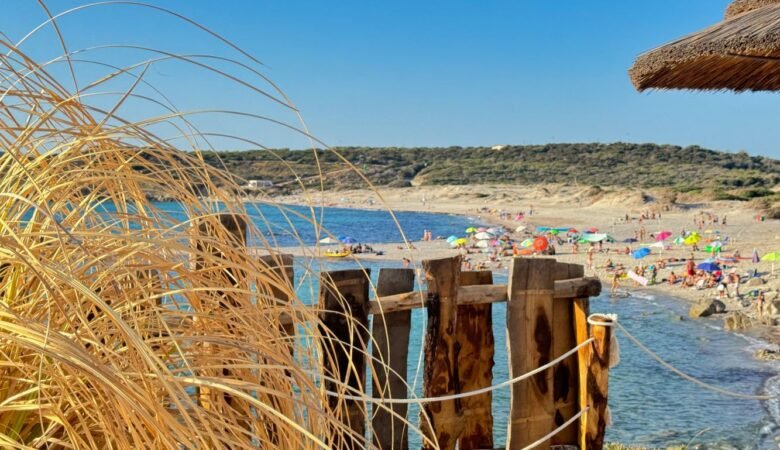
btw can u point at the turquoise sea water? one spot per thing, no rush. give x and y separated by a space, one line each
650 406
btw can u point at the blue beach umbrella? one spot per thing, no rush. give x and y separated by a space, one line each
708 267
629 240
451 239
348 240
641 253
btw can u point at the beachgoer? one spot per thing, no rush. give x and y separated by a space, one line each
760 303
591 249
672 278
615 283
407 261
722 290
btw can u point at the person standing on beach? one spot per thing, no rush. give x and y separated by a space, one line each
591 249
615 283
760 303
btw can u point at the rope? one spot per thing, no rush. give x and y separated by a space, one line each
611 319
407 401
688 377
557 430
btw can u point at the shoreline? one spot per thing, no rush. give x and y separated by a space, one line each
484 204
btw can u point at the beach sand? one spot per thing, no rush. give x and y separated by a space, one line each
581 208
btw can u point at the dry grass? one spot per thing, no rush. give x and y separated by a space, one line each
110 335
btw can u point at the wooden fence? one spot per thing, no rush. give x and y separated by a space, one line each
546 316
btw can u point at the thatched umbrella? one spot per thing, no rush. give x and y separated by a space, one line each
741 53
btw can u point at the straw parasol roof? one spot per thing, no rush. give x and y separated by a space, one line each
741 53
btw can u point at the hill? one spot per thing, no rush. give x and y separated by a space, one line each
690 169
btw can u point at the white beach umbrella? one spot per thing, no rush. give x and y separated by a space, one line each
482 235
482 244
329 240
520 229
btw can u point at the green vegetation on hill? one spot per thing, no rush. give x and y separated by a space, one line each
689 169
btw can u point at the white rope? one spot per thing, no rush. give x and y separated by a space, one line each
557 430
611 319
690 378
408 401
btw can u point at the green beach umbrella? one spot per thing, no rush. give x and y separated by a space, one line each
527 243
679 240
461 241
771 257
471 230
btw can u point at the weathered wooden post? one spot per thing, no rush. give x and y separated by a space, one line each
343 302
474 334
529 340
236 227
283 274
593 423
442 421
565 374
390 349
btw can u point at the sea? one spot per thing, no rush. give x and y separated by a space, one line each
650 406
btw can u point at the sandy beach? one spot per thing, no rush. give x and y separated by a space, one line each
582 208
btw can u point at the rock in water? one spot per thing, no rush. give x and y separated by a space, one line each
736 321
706 307
766 354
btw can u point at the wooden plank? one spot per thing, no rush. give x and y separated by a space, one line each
474 334
594 422
389 361
565 375
529 340
344 329
281 283
483 294
441 422
580 311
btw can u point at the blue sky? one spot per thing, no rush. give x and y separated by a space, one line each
434 73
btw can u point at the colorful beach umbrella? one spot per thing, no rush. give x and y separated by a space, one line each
349 240
482 235
451 239
641 253
328 240
520 229
592 230
755 256
459 241
471 230
692 239
679 240
771 257
540 244
527 243
708 267
630 240
663 235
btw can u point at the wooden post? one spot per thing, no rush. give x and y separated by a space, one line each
283 274
441 422
529 341
236 227
593 423
344 329
475 365
565 374
580 311
390 349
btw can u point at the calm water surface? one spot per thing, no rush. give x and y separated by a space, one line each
650 406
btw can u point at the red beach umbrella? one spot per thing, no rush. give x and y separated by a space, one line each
540 244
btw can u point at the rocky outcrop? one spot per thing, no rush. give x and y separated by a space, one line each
736 321
766 354
706 308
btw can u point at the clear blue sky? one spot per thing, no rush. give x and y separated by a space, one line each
439 73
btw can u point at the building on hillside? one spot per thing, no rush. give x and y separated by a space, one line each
499 147
259 183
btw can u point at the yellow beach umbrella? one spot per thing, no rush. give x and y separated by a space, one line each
692 239
771 257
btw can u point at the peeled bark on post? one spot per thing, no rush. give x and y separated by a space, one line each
344 317
441 422
390 349
593 423
565 374
475 365
529 341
